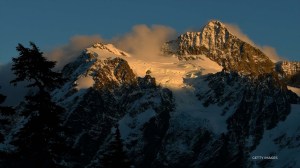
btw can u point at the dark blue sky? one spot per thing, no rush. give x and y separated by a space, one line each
50 23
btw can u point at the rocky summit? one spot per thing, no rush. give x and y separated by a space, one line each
217 43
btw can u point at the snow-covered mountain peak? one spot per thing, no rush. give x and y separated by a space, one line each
217 43
168 71
213 25
97 66
215 22
213 35
104 50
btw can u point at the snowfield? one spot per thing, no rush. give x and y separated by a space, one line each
169 72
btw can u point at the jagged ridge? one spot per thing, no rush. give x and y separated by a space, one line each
217 43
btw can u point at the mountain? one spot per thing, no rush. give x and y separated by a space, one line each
217 43
116 96
212 100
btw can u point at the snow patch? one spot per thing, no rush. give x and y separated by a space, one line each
102 51
131 125
169 71
188 105
84 82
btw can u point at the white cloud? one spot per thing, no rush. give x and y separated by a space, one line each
144 41
234 29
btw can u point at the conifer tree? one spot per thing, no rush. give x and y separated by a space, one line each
33 67
115 156
39 140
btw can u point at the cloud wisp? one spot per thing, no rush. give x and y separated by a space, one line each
68 52
268 50
144 41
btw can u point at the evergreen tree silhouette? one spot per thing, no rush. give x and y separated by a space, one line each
33 67
39 142
115 156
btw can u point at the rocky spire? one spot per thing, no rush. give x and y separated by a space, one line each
217 43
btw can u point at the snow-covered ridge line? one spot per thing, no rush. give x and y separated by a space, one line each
111 48
168 71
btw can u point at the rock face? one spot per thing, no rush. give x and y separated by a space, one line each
217 43
289 68
289 71
249 106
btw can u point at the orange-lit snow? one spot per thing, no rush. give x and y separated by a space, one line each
167 70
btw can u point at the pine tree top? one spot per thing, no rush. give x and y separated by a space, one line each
33 67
